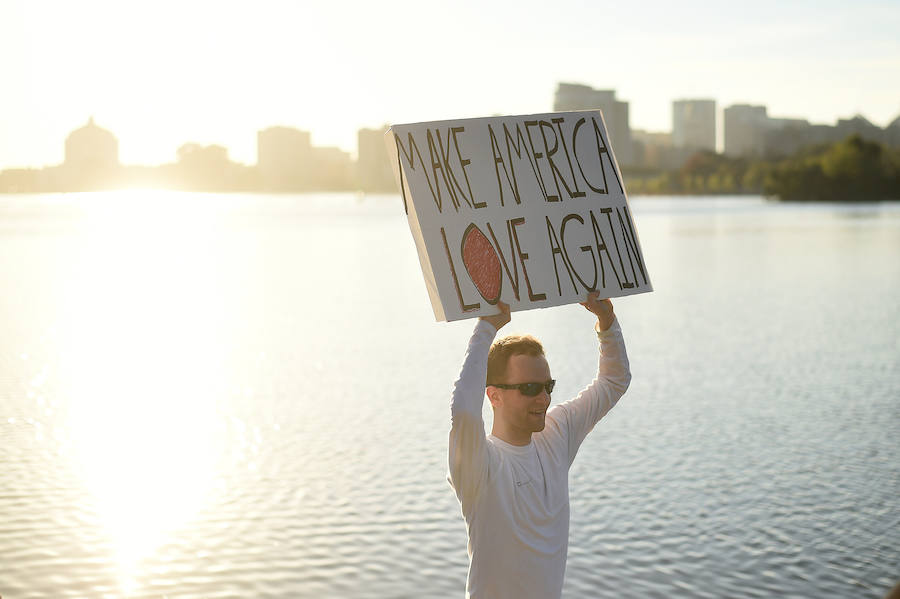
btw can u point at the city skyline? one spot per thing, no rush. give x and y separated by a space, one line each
169 73
719 116
288 161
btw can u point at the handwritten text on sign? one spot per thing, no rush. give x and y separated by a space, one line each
527 209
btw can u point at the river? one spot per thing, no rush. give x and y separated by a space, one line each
247 396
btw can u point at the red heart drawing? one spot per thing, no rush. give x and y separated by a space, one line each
482 264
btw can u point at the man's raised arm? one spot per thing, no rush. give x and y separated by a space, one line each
468 446
613 376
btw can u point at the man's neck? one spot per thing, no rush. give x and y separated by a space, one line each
519 440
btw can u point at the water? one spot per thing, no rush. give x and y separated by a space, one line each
247 396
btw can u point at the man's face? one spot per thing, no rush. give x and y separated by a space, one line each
518 414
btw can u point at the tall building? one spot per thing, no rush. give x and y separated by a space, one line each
745 129
786 136
373 171
284 158
749 131
203 167
575 96
332 169
655 150
694 124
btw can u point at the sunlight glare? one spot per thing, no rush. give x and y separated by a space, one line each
142 369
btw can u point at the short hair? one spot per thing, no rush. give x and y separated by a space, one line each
505 348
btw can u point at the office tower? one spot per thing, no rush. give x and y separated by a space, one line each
373 170
694 124
575 96
745 130
283 157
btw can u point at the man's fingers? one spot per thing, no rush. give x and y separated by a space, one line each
594 298
499 320
601 307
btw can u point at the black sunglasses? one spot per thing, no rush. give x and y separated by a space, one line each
529 389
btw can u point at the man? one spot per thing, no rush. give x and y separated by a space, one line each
513 484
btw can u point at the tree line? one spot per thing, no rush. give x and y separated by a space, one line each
852 170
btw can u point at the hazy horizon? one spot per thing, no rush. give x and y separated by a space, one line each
161 75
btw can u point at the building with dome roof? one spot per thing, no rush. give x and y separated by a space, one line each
92 157
92 147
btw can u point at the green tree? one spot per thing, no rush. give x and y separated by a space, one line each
851 170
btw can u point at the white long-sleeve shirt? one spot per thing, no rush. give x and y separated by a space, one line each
515 499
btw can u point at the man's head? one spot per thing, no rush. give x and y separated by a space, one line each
514 360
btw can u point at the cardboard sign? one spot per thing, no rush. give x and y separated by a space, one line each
527 209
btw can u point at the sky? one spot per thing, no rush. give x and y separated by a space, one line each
163 73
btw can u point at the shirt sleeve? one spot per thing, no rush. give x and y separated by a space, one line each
579 415
469 454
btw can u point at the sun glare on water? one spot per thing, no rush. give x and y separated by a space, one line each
142 364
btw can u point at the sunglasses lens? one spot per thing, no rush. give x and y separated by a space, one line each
531 389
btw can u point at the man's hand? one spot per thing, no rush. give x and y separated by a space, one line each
498 320
602 308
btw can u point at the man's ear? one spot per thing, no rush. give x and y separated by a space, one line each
493 394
